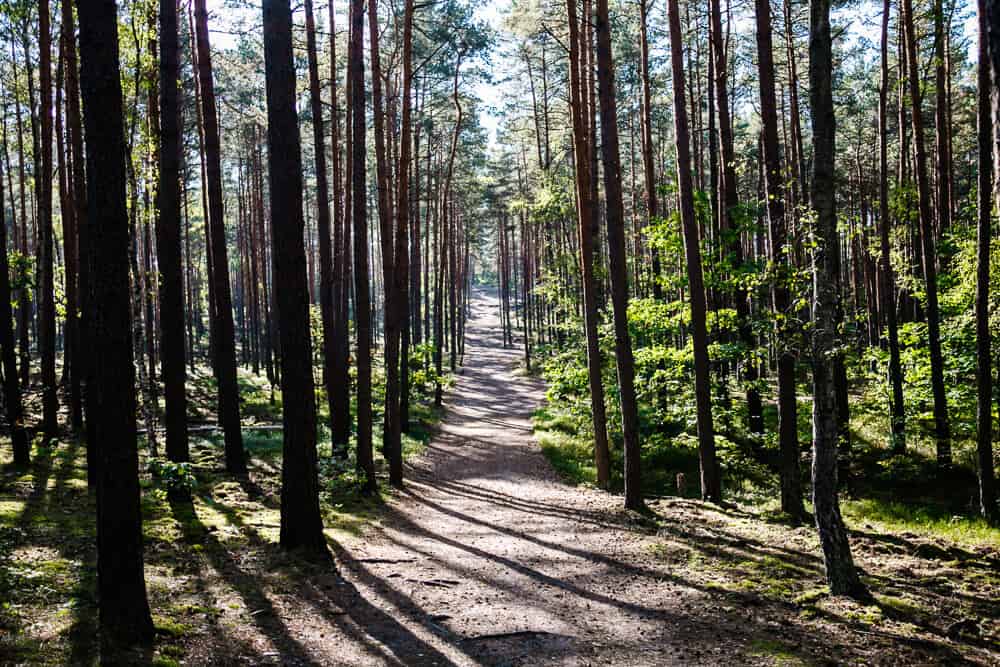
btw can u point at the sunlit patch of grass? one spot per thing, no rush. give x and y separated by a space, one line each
10 510
924 520
572 457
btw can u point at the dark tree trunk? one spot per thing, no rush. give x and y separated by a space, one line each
168 239
326 300
11 383
124 610
395 359
989 165
942 122
301 524
224 331
788 438
77 187
649 172
942 431
711 482
888 283
729 201
583 145
362 302
840 572
43 183
616 252
340 408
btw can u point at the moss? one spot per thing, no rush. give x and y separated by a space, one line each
168 627
810 597
777 653
900 606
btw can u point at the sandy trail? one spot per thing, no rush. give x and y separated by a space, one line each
487 558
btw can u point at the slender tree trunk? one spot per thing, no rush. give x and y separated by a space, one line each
989 195
11 383
840 572
43 186
400 270
583 144
788 439
711 482
652 209
729 201
168 239
23 302
362 298
124 609
942 430
326 297
77 188
941 123
225 351
616 252
340 410
888 283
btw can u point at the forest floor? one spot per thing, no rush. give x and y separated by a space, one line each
486 558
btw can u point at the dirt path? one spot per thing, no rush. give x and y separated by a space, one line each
488 559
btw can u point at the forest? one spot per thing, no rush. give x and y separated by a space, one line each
451 332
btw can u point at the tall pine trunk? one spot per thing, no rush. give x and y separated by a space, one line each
616 252
43 185
224 330
583 145
359 195
11 382
774 188
840 571
301 523
168 239
326 300
942 432
888 283
121 587
711 482
989 168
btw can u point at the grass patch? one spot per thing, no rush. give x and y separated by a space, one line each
926 520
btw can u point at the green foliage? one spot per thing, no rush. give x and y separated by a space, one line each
173 476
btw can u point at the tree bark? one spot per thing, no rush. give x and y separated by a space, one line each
989 195
124 609
583 145
840 572
11 383
711 482
340 410
168 240
43 184
888 283
942 430
616 252
362 302
224 331
649 173
326 300
774 188
301 524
